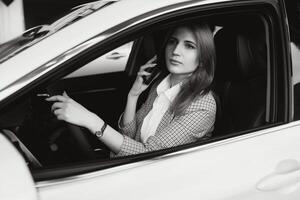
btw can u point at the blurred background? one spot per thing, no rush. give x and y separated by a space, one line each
18 15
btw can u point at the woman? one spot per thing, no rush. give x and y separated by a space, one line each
179 109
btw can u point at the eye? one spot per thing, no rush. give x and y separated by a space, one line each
190 46
172 41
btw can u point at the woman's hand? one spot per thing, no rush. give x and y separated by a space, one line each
138 86
70 111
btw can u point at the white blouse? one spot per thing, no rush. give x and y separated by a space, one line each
165 96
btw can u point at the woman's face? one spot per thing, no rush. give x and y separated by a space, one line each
182 52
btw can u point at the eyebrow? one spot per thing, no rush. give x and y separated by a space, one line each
188 41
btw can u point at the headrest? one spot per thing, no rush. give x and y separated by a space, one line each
240 54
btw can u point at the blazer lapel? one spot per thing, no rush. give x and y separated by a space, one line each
166 119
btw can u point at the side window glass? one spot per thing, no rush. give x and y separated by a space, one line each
113 61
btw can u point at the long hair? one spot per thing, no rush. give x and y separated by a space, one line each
199 83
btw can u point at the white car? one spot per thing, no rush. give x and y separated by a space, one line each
94 54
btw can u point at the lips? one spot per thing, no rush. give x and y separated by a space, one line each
174 62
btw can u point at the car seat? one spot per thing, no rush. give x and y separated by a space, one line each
240 79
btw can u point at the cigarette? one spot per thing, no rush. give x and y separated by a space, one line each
43 95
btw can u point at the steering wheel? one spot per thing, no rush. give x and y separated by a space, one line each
53 128
80 140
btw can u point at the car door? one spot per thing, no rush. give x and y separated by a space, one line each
259 166
256 163
253 163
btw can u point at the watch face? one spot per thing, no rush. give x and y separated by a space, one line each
99 134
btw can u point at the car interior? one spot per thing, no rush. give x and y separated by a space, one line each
240 87
240 83
241 77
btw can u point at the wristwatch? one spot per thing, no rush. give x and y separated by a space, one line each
99 133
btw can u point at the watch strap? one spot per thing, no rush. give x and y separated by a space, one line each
100 133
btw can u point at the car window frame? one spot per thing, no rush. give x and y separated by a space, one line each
109 44
121 161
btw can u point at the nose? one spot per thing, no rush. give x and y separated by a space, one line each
177 49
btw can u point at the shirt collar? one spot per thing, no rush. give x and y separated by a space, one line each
164 87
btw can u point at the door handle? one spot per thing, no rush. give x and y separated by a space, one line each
285 177
115 56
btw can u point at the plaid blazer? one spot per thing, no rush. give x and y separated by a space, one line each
196 122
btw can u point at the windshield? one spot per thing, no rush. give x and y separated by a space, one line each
35 34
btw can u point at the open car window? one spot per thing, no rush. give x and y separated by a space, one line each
241 86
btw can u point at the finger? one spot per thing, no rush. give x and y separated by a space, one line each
65 94
58 112
144 73
57 98
60 117
147 66
57 105
152 59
